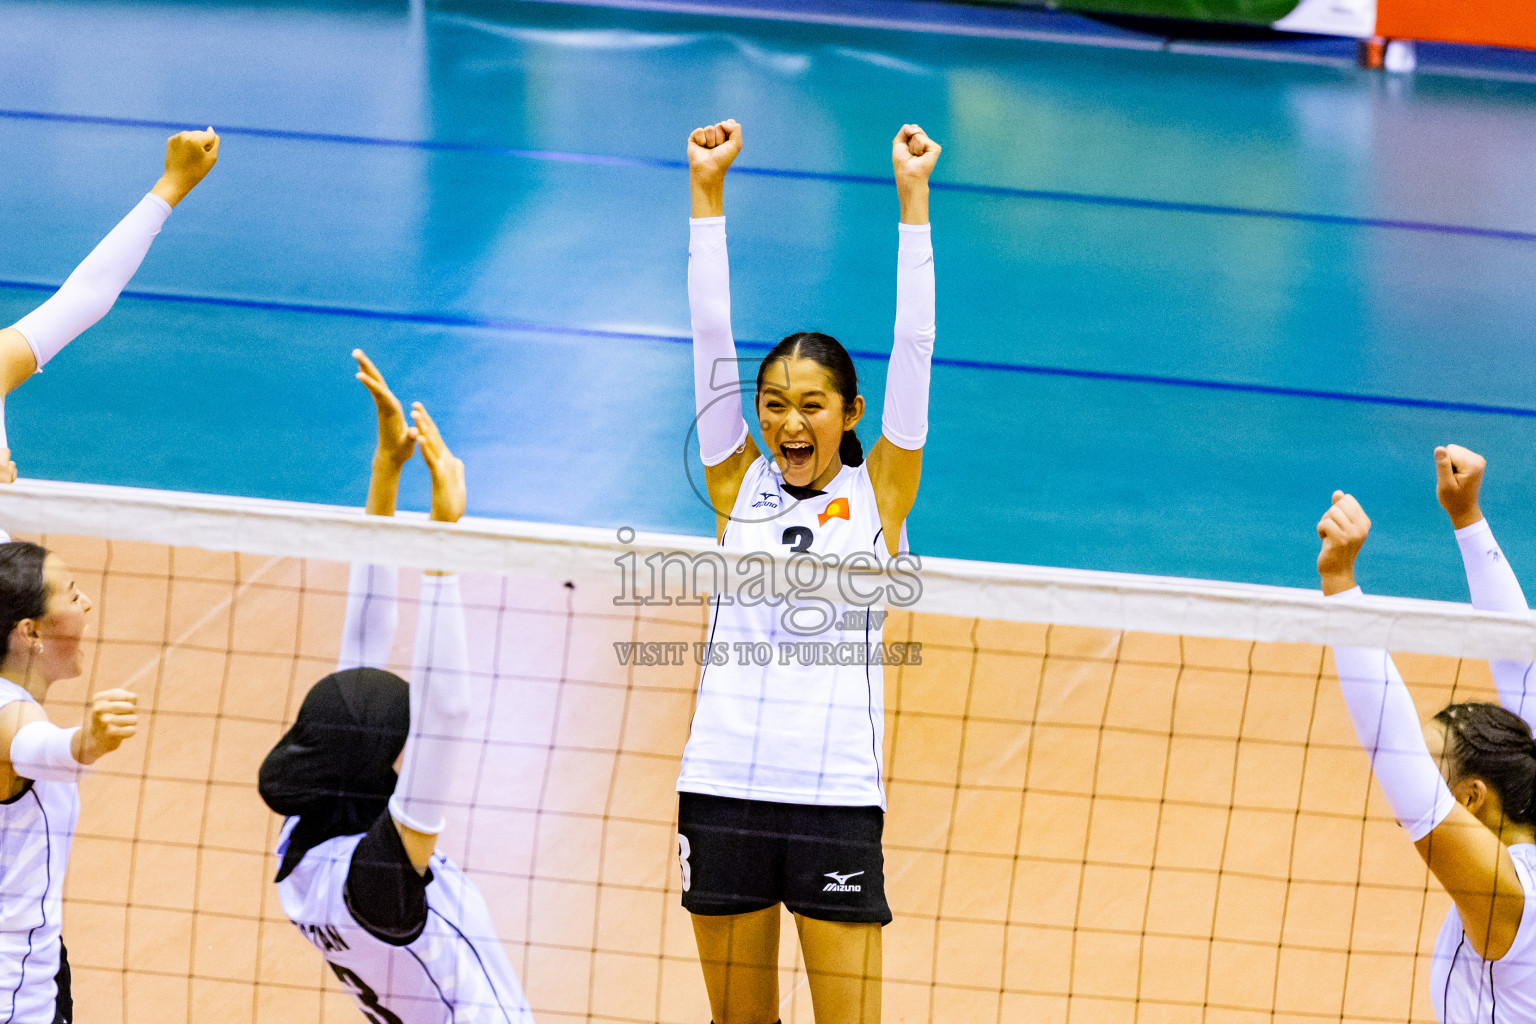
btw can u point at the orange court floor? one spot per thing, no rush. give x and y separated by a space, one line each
1084 825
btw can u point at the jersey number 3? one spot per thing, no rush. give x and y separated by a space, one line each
798 538
365 995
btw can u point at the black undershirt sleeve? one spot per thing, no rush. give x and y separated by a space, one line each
383 891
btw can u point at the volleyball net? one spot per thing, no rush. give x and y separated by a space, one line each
1112 798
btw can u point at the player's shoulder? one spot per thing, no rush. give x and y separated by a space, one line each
18 708
857 482
316 880
1524 857
11 692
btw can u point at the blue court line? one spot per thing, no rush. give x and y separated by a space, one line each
1027 369
656 163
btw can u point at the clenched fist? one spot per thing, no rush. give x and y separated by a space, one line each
711 150
189 156
913 155
111 719
1458 478
1343 530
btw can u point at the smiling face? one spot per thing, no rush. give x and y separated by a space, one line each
60 630
803 418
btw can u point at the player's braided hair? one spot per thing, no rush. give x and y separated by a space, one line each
828 353
23 588
1494 744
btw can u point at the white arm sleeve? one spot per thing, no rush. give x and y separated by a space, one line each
41 751
904 420
1389 730
96 283
368 631
439 708
1495 589
721 427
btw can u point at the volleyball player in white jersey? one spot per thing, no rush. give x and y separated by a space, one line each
399 924
89 292
780 797
42 613
1463 787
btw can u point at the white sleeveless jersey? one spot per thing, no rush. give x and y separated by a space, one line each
455 972
1465 988
36 829
807 726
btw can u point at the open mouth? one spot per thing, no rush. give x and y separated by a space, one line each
797 454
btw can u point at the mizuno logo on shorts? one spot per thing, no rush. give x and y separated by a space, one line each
839 883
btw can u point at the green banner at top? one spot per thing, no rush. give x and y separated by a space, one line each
1248 12
1332 17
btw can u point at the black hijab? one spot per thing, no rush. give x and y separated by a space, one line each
335 768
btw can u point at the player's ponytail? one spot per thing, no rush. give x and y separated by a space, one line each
1492 743
828 353
23 588
851 451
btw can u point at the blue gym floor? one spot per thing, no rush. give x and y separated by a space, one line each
1181 297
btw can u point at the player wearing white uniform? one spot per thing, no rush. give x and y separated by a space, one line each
1464 786
89 292
42 612
780 795
1465 986
400 925
810 732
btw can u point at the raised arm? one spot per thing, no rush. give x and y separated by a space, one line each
440 692
725 445
89 292
1491 581
372 616
1464 855
896 462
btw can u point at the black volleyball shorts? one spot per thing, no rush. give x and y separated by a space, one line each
739 856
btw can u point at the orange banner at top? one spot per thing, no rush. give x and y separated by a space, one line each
1486 22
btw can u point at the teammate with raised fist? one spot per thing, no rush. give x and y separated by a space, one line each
1463 787
781 799
89 292
43 614
1490 578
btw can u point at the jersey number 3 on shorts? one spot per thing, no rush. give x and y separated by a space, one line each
365 995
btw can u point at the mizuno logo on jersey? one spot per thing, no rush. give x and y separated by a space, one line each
767 500
837 508
839 882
